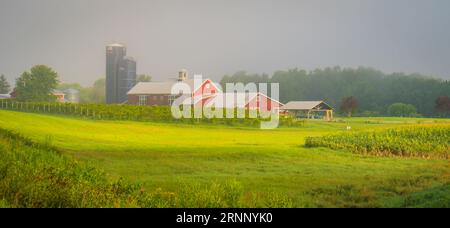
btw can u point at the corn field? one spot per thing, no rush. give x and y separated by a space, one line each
424 142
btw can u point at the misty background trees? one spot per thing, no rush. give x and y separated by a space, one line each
96 92
4 85
361 91
144 78
402 110
374 90
91 94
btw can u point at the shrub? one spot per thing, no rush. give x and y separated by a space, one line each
402 110
34 175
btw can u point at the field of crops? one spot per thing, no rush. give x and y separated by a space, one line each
423 142
161 114
199 165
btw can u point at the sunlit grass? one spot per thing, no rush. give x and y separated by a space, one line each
163 155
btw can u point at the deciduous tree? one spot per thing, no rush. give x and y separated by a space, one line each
37 85
349 105
443 105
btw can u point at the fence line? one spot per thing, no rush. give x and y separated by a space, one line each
46 108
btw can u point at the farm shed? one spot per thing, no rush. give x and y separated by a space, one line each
308 109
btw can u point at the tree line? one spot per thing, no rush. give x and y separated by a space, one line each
96 94
37 85
365 91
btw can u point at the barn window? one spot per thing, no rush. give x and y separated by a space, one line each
143 99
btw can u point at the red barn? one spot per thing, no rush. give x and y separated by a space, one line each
160 93
202 93
262 102
253 101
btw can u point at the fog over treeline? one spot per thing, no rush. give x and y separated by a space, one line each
374 90
218 37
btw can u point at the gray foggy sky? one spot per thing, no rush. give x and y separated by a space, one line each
217 37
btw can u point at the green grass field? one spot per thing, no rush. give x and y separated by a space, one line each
165 156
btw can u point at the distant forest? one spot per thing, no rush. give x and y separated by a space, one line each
374 90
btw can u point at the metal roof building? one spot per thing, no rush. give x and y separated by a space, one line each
309 109
5 96
157 87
